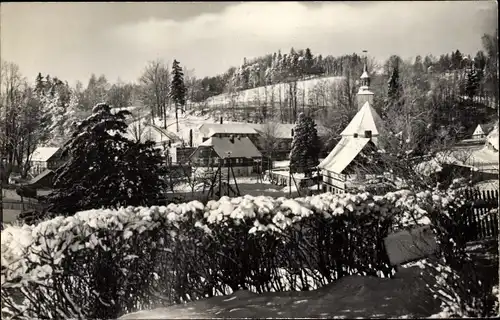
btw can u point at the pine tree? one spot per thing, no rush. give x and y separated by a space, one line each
305 146
39 85
177 90
105 169
394 91
472 83
308 62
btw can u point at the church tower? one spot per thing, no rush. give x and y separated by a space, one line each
364 93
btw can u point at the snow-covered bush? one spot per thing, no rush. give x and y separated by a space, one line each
100 263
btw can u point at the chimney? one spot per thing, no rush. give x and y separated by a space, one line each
368 134
220 120
292 132
355 135
191 138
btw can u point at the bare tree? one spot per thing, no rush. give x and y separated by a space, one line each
270 139
138 126
197 178
20 118
120 95
155 89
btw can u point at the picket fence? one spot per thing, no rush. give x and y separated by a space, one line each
481 217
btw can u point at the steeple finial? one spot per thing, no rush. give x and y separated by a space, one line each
365 78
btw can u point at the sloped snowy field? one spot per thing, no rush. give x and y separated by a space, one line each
305 90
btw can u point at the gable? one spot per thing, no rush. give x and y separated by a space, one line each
479 130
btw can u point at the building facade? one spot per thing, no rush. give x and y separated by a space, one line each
237 152
339 170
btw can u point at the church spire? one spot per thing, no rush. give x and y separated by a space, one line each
365 77
364 93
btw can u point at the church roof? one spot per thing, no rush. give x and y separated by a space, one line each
343 154
366 119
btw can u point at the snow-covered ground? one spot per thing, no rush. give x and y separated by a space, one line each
272 93
247 186
349 297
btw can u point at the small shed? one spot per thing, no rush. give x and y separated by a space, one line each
44 180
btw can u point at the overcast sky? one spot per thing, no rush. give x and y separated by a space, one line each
73 40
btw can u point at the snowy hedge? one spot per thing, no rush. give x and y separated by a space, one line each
101 263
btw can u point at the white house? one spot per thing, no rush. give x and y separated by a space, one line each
479 132
240 152
361 133
44 158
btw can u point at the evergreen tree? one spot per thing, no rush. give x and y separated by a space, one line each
39 85
308 62
177 90
105 169
418 66
305 146
480 60
456 60
394 90
472 83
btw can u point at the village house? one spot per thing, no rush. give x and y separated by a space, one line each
339 169
238 152
479 132
45 158
259 134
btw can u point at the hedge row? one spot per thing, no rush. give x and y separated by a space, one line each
102 263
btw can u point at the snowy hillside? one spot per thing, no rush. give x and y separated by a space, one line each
305 92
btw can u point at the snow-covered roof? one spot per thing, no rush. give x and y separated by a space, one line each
241 148
366 119
364 90
365 75
278 130
209 129
343 154
129 109
483 159
42 175
43 153
164 132
492 138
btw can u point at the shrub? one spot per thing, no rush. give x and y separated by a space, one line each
116 261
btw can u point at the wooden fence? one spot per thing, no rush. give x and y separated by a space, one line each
482 214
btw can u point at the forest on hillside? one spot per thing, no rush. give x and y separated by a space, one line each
425 99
